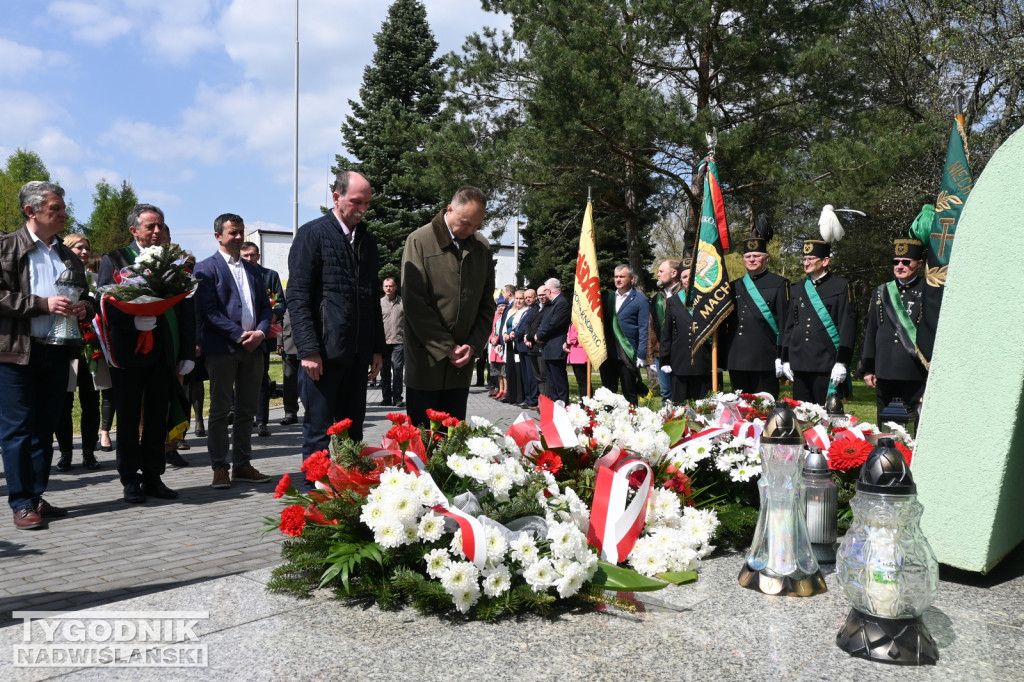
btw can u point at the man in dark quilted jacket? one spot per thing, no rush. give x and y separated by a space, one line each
335 313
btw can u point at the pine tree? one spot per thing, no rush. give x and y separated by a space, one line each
108 225
398 109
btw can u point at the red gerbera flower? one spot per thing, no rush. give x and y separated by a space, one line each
316 466
293 520
548 461
341 427
847 453
398 418
437 415
283 486
905 451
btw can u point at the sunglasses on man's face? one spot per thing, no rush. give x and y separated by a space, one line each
905 262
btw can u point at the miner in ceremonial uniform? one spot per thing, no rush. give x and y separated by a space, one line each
625 328
897 346
668 281
753 331
818 337
691 373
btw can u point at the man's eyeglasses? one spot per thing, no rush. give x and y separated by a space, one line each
905 262
810 259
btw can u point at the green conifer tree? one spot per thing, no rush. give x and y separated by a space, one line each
108 225
399 103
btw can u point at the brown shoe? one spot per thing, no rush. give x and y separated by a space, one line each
28 519
48 511
220 479
249 474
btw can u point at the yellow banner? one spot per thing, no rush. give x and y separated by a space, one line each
586 295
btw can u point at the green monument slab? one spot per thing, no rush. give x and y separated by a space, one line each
969 461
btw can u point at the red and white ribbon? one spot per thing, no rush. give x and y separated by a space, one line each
474 545
614 525
555 425
851 432
817 437
745 429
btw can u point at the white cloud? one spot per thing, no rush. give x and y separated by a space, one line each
94 175
160 30
94 23
18 61
158 198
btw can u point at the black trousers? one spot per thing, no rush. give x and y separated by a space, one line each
558 380
141 395
452 400
754 382
540 373
514 392
615 372
910 392
290 379
89 399
812 387
690 387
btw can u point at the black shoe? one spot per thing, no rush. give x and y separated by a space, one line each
200 432
175 460
106 448
64 463
48 511
289 420
133 493
263 431
89 461
158 489
387 402
400 403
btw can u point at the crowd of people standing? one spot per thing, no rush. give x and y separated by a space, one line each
335 332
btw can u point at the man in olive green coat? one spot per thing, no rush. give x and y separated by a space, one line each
447 286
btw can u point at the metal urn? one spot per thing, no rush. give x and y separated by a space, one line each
64 331
886 566
780 560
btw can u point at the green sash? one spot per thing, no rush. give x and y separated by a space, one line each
830 327
659 309
906 330
761 305
620 336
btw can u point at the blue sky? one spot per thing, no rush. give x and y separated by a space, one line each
192 101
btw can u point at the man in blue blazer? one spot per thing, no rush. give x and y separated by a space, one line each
552 334
234 314
531 391
627 340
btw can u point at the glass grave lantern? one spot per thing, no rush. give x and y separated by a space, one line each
821 506
780 561
64 331
886 566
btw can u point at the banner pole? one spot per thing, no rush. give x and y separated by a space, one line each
714 362
589 370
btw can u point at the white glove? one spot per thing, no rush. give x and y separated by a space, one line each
779 372
639 362
185 366
145 323
787 371
667 369
838 373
